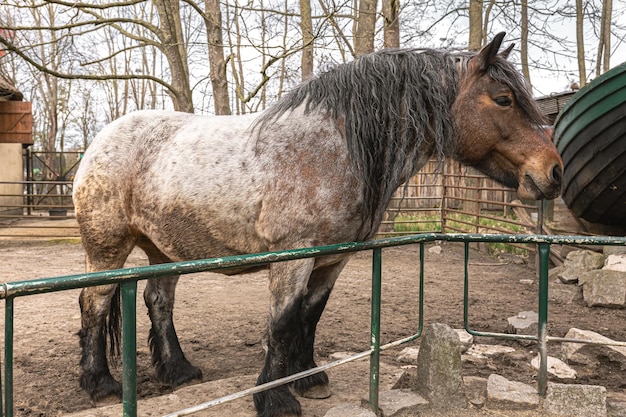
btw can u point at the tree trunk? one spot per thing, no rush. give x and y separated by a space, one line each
391 27
580 44
476 25
524 45
306 26
217 63
174 48
604 42
366 26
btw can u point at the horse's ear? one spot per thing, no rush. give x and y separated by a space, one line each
505 54
489 53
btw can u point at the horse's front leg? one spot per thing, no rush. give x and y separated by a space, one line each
301 354
288 284
172 367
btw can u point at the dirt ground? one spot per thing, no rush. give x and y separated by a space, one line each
220 321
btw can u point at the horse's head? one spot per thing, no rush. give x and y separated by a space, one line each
501 131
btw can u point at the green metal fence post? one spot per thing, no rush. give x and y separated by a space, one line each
129 348
375 328
543 250
8 357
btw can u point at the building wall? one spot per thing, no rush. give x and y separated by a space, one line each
11 169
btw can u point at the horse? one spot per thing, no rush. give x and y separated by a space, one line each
318 167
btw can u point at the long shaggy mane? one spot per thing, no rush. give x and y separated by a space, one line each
394 105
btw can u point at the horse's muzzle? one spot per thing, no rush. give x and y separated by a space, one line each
532 187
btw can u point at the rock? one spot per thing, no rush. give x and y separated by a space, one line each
401 403
584 260
614 250
349 410
575 400
475 390
616 404
525 322
604 288
510 395
589 354
339 355
465 338
556 367
553 273
564 294
578 262
435 249
408 355
482 351
439 372
615 263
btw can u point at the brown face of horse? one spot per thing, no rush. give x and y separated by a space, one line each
500 129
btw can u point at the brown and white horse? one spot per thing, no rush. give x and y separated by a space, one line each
317 168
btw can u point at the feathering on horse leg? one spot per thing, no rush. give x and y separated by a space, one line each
301 355
107 247
288 285
99 318
172 367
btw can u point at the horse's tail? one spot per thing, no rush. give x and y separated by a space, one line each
114 324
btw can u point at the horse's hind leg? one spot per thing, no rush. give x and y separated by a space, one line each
100 313
301 353
172 367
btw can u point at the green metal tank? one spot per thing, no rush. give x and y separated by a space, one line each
590 134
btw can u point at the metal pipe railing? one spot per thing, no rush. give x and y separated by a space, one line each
128 278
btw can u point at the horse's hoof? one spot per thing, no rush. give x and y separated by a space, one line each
101 389
315 386
317 392
277 402
177 375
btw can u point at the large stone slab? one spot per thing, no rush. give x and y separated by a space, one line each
590 354
615 263
439 371
555 367
578 262
349 410
401 403
604 288
575 400
510 395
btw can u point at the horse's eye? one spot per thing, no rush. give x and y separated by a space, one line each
503 101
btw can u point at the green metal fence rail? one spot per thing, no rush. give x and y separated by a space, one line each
128 278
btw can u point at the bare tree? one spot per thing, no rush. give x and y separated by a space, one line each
475 25
217 62
580 44
306 27
524 45
365 27
391 23
604 42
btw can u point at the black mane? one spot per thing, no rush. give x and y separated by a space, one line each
394 104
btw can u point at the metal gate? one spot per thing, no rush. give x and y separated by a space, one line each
128 278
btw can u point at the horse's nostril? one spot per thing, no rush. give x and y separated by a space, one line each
557 174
